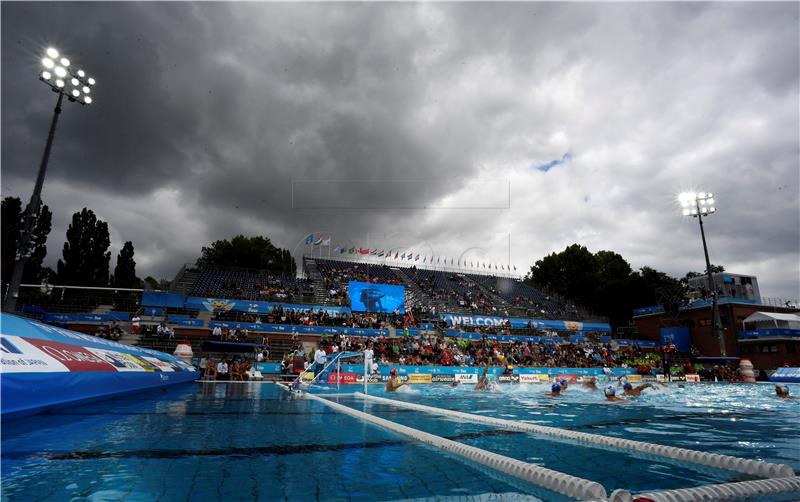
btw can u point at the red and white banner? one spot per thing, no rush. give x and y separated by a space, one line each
19 356
75 358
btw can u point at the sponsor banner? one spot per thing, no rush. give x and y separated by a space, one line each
302 330
419 378
569 378
343 378
661 378
529 378
307 376
786 375
443 378
158 363
19 356
118 360
648 378
520 322
471 378
634 378
509 378
693 378
145 365
75 358
224 305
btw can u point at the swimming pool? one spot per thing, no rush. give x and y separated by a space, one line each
253 442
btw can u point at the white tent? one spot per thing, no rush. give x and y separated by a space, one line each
772 319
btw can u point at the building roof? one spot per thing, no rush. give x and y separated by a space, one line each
772 316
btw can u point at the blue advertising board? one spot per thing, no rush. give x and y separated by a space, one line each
370 297
522 323
45 366
253 307
678 336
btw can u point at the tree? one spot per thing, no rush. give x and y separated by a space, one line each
247 252
604 281
13 221
125 271
85 255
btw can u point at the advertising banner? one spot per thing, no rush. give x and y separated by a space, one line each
343 378
635 378
443 378
470 378
521 323
254 307
18 355
419 378
529 379
371 297
693 378
509 378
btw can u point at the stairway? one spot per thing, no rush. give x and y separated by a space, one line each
501 303
320 293
184 281
415 296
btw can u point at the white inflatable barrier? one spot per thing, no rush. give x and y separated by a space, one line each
753 467
571 486
726 491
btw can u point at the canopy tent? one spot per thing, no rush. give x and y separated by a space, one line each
770 319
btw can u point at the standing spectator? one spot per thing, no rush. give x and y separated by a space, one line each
135 323
216 332
222 370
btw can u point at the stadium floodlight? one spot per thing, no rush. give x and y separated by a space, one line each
58 75
697 205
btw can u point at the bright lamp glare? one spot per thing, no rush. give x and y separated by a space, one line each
48 63
86 90
87 100
65 62
702 202
81 73
701 195
74 81
91 81
711 201
687 212
76 92
59 83
46 75
60 72
52 52
712 209
694 211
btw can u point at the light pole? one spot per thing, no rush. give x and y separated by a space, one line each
697 205
63 79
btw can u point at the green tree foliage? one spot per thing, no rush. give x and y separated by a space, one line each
125 271
85 255
13 221
247 252
604 281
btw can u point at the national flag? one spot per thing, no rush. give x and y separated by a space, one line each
318 241
341 250
310 239
396 254
515 268
438 259
351 250
363 251
451 261
327 242
459 262
484 264
502 267
380 253
403 256
416 258
424 258
410 256
471 265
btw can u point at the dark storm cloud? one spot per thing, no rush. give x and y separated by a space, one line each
209 115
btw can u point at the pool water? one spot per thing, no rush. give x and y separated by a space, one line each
254 442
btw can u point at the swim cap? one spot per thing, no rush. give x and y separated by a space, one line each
610 390
563 382
393 371
555 388
784 388
627 386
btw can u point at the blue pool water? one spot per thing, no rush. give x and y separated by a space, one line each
252 442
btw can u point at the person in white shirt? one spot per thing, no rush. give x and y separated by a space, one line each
319 360
135 321
222 370
217 332
369 354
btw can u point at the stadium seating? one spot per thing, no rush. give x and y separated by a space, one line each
251 285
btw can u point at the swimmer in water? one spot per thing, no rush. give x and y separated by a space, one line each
563 383
394 382
483 382
630 391
782 391
590 384
555 391
611 393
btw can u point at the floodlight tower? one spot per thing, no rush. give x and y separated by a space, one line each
64 80
697 205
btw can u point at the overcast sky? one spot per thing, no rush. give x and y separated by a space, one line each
446 128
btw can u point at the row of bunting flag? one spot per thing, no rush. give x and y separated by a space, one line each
408 256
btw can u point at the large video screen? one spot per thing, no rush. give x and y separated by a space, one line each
369 297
